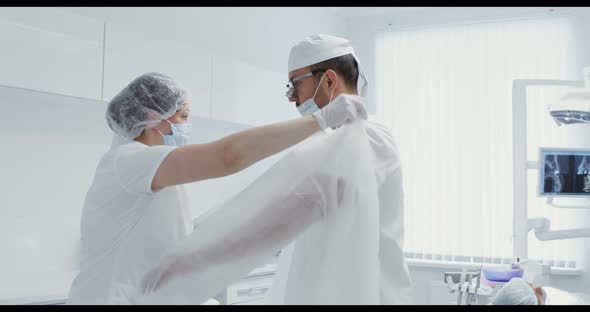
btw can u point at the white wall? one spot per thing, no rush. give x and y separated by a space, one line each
51 50
261 36
59 68
46 166
361 31
129 53
581 20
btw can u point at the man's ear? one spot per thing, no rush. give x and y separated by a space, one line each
331 79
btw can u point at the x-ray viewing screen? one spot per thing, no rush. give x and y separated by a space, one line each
564 172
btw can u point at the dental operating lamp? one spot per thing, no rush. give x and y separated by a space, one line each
574 106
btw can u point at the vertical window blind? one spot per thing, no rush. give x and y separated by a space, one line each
445 92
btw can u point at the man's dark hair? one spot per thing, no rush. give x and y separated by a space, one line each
344 65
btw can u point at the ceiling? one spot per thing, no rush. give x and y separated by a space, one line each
344 12
369 11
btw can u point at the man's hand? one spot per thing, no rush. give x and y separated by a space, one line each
344 109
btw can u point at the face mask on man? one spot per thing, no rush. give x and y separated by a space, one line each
309 106
180 134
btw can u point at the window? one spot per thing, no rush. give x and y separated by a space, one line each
445 92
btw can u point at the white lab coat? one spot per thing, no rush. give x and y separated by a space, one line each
395 286
337 198
304 278
125 227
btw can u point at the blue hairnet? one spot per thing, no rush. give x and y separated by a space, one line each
516 292
144 103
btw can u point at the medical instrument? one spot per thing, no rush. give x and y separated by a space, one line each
460 293
477 285
468 297
573 108
566 180
468 283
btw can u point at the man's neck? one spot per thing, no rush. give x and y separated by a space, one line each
345 91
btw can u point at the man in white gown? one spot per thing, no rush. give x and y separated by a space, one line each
336 201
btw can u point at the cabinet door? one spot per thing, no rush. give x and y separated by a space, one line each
249 289
130 53
247 94
50 50
48 167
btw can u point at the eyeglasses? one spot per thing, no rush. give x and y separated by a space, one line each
291 83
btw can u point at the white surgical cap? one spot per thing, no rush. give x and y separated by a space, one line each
144 103
516 292
318 48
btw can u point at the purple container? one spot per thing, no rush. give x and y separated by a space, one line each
501 274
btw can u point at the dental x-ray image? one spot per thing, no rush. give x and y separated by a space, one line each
564 172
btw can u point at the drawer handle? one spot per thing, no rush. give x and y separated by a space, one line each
252 291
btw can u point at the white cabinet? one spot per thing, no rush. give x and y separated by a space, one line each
248 94
51 50
51 163
250 290
130 53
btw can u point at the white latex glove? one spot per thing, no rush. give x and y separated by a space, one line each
344 109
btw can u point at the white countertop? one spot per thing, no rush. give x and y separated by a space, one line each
263 270
35 288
